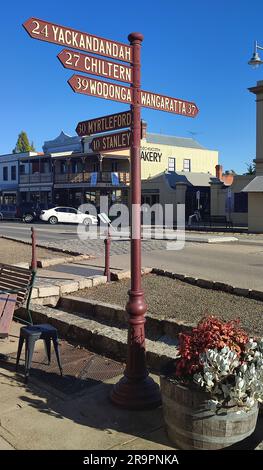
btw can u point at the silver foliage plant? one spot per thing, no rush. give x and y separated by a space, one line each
233 380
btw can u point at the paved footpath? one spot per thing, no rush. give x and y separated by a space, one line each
39 417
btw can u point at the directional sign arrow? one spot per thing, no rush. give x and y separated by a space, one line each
57 34
110 142
100 89
95 66
168 104
114 92
104 124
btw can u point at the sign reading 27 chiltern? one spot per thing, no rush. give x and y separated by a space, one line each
51 32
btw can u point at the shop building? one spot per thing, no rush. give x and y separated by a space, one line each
10 176
70 173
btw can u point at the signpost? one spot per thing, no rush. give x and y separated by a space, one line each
198 199
110 142
136 390
95 66
104 124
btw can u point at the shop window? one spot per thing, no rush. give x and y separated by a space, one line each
187 164
13 173
171 164
240 202
5 173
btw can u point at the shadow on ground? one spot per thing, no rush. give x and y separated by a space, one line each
88 405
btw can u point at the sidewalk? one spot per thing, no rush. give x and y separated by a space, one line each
56 413
43 416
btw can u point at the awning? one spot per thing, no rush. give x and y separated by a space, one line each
115 157
255 186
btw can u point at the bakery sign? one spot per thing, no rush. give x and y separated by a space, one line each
151 154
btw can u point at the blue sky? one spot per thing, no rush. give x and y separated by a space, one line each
196 50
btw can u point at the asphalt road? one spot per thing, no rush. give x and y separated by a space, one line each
44 232
237 264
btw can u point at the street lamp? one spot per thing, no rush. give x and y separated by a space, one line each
255 60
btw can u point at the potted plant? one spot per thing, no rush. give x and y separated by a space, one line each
211 392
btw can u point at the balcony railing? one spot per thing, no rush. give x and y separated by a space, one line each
36 178
93 177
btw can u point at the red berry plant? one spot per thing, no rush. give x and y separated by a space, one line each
210 333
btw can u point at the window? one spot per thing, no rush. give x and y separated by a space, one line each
13 173
187 164
72 211
5 173
22 169
74 167
63 168
62 209
171 164
240 202
95 167
114 166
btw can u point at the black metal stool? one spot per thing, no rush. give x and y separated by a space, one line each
30 334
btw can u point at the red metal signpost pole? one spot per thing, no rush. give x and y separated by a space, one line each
136 390
107 243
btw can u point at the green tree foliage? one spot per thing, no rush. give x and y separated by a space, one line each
22 144
251 169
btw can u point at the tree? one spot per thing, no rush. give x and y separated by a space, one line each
251 169
22 144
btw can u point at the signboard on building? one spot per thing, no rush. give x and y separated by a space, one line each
151 154
104 124
95 66
93 178
109 142
63 36
115 179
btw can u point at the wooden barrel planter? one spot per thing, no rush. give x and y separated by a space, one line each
192 425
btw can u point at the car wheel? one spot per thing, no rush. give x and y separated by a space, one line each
53 220
28 218
1 216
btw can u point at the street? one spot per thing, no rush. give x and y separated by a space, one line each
237 263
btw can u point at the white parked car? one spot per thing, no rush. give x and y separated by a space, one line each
67 215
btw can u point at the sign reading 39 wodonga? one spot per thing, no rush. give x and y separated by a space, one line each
115 92
51 32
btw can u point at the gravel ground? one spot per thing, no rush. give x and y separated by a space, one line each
15 252
170 298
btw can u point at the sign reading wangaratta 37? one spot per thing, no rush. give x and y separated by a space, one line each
57 34
109 142
95 66
104 124
115 92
